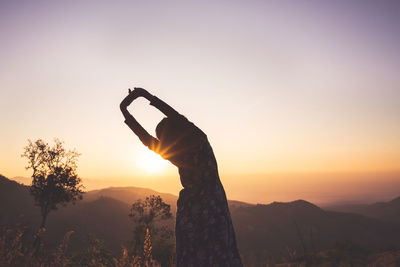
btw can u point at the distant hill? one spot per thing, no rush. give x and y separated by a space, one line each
15 200
386 211
23 180
263 231
129 195
106 218
270 230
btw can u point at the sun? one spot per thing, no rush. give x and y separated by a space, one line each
151 162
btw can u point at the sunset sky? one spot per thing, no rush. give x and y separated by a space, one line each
299 99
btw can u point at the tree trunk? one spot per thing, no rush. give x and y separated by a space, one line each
38 238
44 217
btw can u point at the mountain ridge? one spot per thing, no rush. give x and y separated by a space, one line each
387 211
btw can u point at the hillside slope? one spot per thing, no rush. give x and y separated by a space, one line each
386 211
264 231
129 195
15 202
270 230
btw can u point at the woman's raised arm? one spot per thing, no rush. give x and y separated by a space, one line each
163 107
158 103
147 139
154 101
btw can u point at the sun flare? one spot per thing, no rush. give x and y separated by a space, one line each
151 162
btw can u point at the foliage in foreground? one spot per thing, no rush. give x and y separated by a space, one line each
344 254
17 249
152 216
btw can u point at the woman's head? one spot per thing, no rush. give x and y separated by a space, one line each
177 136
161 127
176 132
170 130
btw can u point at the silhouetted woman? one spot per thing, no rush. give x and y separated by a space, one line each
204 230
